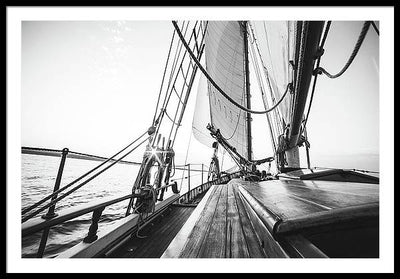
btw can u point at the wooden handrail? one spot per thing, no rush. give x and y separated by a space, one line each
38 223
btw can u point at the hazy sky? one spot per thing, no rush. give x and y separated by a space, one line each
92 86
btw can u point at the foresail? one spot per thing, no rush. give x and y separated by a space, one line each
224 54
201 116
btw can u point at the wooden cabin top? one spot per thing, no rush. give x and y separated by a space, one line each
263 219
345 175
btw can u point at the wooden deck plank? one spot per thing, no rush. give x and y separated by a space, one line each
178 244
252 242
229 223
214 243
193 245
236 246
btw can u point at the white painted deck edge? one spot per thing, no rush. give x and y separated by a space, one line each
178 243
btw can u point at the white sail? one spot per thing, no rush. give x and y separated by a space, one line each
224 53
201 116
276 41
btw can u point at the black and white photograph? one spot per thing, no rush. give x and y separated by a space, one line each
200 139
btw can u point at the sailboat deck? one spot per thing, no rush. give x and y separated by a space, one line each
219 227
227 221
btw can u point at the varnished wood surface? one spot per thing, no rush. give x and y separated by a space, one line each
332 175
222 229
289 199
241 219
156 236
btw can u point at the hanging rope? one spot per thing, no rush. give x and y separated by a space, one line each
360 40
289 86
169 117
234 131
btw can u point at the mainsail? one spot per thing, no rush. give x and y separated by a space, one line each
224 52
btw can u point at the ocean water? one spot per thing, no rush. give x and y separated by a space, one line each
38 177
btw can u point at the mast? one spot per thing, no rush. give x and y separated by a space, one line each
247 90
307 48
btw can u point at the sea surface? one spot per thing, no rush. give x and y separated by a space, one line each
38 177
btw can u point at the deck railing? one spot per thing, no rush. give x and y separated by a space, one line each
188 197
45 222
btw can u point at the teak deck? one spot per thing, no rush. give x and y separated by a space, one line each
244 219
219 227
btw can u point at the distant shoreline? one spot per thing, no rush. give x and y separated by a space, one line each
71 154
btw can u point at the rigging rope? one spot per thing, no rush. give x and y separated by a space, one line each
162 81
269 51
375 27
289 86
168 91
261 85
200 49
361 37
234 131
169 117
276 115
321 51
187 152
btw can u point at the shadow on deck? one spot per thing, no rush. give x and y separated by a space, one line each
152 240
